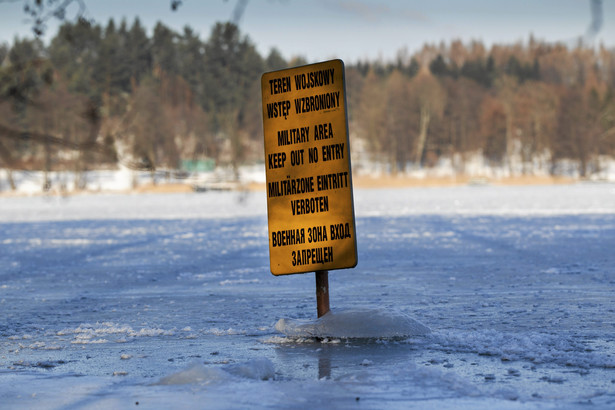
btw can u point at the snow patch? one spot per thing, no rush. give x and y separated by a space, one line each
221 332
238 281
257 369
356 323
86 333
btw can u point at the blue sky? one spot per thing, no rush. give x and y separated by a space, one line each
353 29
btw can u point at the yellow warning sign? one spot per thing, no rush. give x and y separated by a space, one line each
307 158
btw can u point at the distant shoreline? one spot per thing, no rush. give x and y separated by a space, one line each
389 181
404 181
359 182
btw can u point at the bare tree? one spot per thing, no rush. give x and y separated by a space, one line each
430 98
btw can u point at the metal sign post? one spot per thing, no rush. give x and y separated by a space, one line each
322 292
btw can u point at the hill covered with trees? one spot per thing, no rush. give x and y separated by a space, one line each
98 96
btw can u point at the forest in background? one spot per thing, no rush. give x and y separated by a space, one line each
99 96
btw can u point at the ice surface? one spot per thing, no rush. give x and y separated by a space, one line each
355 323
167 300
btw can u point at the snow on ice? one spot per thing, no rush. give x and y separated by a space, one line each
166 301
353 324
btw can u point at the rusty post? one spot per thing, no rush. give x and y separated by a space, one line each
322 292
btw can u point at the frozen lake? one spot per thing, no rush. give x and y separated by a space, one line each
166 301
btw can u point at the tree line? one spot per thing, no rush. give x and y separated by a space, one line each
522 107
101 96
